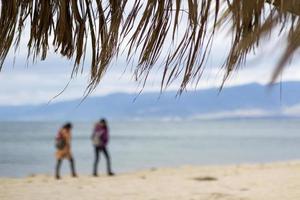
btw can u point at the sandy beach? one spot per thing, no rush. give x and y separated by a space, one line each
276 181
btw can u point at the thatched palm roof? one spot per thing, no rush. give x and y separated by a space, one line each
145 25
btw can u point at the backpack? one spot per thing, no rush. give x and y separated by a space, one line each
60 141
97 136
97 141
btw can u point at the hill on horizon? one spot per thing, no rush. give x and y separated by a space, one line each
244 101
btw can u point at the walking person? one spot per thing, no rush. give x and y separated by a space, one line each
100 138
63 146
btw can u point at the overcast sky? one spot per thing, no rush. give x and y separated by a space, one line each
26 83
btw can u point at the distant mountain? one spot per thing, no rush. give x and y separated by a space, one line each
250 101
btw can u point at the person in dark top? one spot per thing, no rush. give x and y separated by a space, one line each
100 138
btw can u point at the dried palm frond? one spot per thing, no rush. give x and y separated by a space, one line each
106 25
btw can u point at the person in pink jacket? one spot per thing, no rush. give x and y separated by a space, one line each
100 138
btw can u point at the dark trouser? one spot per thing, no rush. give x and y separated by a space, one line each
97 157
58 164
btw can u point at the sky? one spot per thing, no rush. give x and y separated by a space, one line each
24 82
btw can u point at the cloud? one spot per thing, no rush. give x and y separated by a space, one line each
32 86
236 114
293 111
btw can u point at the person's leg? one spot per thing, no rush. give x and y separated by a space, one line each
96 161
72 165
57 168
108 164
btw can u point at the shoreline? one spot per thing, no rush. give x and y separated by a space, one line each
276 181
154 168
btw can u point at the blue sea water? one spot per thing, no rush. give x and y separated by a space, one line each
28 147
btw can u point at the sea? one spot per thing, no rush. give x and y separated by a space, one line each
27 148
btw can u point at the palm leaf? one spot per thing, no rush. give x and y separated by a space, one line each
72 26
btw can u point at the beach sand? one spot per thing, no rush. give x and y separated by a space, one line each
276 181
